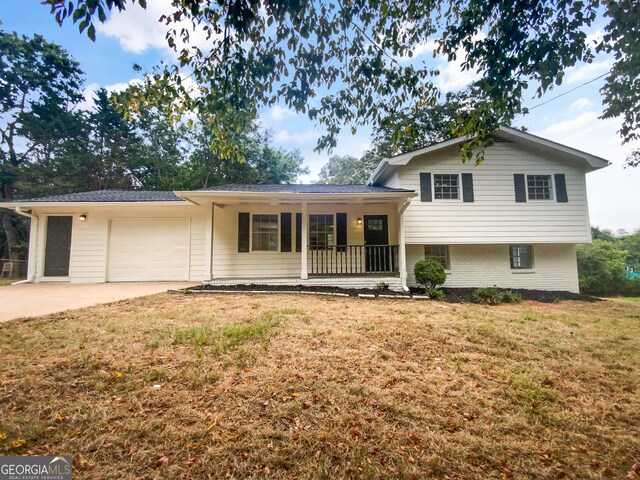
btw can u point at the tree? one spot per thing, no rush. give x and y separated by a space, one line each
606 235
116 148
600 267
407 130
261 163
35 76
348 169
358 54
165 148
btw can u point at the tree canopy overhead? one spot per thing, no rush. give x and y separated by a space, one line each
346 62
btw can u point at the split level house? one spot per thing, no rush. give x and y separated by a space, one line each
513 221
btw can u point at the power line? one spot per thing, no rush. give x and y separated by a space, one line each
569 91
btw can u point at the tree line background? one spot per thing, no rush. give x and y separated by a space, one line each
49 145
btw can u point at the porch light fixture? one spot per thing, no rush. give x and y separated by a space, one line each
83 217
359 221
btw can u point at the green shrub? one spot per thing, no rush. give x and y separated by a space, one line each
429 273
494 296
435 294
511 297
488 296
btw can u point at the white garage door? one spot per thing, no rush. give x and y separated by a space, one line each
147 249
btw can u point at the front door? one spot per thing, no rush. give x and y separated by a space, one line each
58 246
376 241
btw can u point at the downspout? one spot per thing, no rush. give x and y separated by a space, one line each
33 240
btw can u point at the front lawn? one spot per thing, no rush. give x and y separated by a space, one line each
241 386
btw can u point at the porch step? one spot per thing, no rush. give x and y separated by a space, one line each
341 282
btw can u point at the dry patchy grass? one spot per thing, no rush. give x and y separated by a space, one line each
306 387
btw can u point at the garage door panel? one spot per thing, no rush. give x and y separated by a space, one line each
147 249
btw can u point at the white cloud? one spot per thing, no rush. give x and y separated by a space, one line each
581 104
452 76
595 37
293 139
88 93
278 113
587 71
137 29
426 47
91 89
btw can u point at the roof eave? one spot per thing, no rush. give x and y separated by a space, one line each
273 196
150 203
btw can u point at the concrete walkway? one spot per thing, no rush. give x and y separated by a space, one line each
34 299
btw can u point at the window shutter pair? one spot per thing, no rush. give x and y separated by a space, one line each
519 183
244 229
285 231
467 187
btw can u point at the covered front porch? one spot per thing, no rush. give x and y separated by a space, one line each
350 239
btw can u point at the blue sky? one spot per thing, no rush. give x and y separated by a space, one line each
136 37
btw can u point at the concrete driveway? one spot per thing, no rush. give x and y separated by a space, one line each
34 299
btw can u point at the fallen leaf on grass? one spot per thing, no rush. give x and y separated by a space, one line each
162 461
18 443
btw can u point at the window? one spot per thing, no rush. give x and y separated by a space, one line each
521 256
321 231
264 231
539 187
446 186
375 224
439 253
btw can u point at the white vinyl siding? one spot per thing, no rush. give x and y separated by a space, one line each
229 264
488 265
494 216
90 239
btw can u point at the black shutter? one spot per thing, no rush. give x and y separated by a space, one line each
561 188
467 187
341 230
298 232
521 189
243 232
285 232
425 187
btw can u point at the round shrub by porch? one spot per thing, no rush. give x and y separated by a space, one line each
429 273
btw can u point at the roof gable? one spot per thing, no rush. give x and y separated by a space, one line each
590 162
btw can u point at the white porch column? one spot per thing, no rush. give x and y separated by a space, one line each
208 241
304 274
402 254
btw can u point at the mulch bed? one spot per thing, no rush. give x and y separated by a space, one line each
453 295
465 295
354 292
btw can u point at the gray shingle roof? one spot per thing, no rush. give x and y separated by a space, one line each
151 196
304 188
108 196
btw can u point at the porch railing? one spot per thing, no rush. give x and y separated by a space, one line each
353 260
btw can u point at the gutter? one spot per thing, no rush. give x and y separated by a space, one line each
33 234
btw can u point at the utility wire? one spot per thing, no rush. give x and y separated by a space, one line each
569 91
